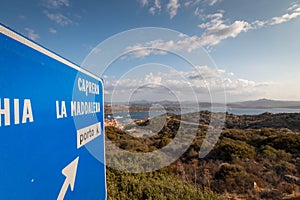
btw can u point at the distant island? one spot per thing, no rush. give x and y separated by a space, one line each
144 105
265 103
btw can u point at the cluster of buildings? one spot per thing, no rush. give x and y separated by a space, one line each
112 122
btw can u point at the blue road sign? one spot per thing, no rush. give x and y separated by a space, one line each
51 125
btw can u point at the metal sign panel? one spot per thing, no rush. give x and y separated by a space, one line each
51 125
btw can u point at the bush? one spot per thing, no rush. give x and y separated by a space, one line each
233 178
230 170
156 185
290 143
273 154
229 150
237 135
284 168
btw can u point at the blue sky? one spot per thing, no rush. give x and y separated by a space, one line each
253 46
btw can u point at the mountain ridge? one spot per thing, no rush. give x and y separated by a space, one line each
260 103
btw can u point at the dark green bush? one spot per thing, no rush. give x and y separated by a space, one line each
229 149
230 170
274 154
289 142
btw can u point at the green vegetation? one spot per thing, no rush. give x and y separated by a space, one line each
258 162
156 185
229 150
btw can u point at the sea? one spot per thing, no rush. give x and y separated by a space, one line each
129 116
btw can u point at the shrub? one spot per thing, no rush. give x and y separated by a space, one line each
236 135
290 143
284 168
229 150
233 178
230 170
273 154
156 185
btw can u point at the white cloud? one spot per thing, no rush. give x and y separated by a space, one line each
153 47
31 34
258 24
152 10
211 81
214 20
246 88
189 3
54 12
182 35
59 18
151 79
294 6
55 4
205 73
211 37
293 12
230 74
215 30
172 8
144 2
160 47
199 12
213 2
52 30
285 17
218 32
157 4
156 7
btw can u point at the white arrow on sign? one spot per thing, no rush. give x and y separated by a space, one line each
70 173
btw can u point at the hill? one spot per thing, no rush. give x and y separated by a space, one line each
256 157
265 103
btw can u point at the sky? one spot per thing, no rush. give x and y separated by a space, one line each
203 50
